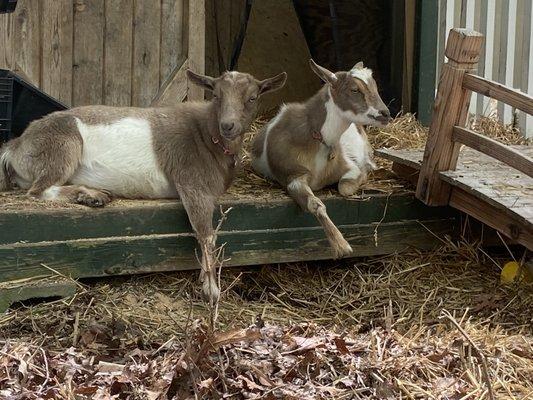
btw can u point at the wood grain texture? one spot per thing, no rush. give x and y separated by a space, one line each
196 44
173 23
146 48
500 92
493 216
493 148
174 89
6 40
87 76
141 254
451 108
118 50
26 43
57 39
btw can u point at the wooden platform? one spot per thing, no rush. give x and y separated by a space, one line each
132 237
482 187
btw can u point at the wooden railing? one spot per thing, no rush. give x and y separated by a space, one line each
447 130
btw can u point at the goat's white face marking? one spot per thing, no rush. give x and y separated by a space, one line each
119 157
365 74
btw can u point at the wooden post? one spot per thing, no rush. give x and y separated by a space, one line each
196 50
451 108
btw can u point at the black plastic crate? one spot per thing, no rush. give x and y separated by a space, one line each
21 103
7 6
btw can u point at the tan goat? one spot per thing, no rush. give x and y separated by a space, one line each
88 154
317 143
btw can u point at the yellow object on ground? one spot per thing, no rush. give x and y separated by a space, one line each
511 270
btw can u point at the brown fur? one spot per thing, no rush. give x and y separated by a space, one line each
50 151
292 149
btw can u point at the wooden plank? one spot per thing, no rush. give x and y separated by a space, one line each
500 56
141 254
172 25
468 158
492 216
27 40
512 194
87 77
493 148
174 89
146 52
500 92
196 44
523 59
169 217
57 35
118 50
481 8
451 108
6 40
38 289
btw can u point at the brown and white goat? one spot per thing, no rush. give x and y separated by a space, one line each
88 154
317 143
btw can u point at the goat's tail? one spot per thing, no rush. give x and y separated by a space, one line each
5 181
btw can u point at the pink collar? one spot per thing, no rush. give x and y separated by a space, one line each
226 151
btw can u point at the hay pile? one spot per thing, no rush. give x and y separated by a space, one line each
377 328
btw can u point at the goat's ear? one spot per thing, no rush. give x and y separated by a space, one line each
359 65
323 73
204 81
271 84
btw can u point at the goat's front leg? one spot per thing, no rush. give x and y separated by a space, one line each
300 191
351 181
200 208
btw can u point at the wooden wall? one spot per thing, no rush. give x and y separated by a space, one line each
115 52
225 19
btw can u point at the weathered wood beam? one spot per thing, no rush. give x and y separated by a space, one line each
492 216
173 252
450 109
493 148
174 89
495 90
196 52
157 236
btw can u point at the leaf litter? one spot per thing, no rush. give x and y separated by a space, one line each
371 328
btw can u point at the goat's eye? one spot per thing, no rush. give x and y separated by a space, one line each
252 99
355 91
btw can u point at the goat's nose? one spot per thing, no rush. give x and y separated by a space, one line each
384 116
227 126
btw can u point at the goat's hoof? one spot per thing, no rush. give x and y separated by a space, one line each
342 249
93 199
211 291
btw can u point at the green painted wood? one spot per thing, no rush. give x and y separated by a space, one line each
427 21
165 252
35 290
169 217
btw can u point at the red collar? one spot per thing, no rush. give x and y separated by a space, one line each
218 142
226 151
318 136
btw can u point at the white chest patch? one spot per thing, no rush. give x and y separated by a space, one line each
119 157
356 149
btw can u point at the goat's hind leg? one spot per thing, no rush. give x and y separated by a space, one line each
300 191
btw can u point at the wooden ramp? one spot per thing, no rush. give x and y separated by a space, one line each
488 180
485 188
